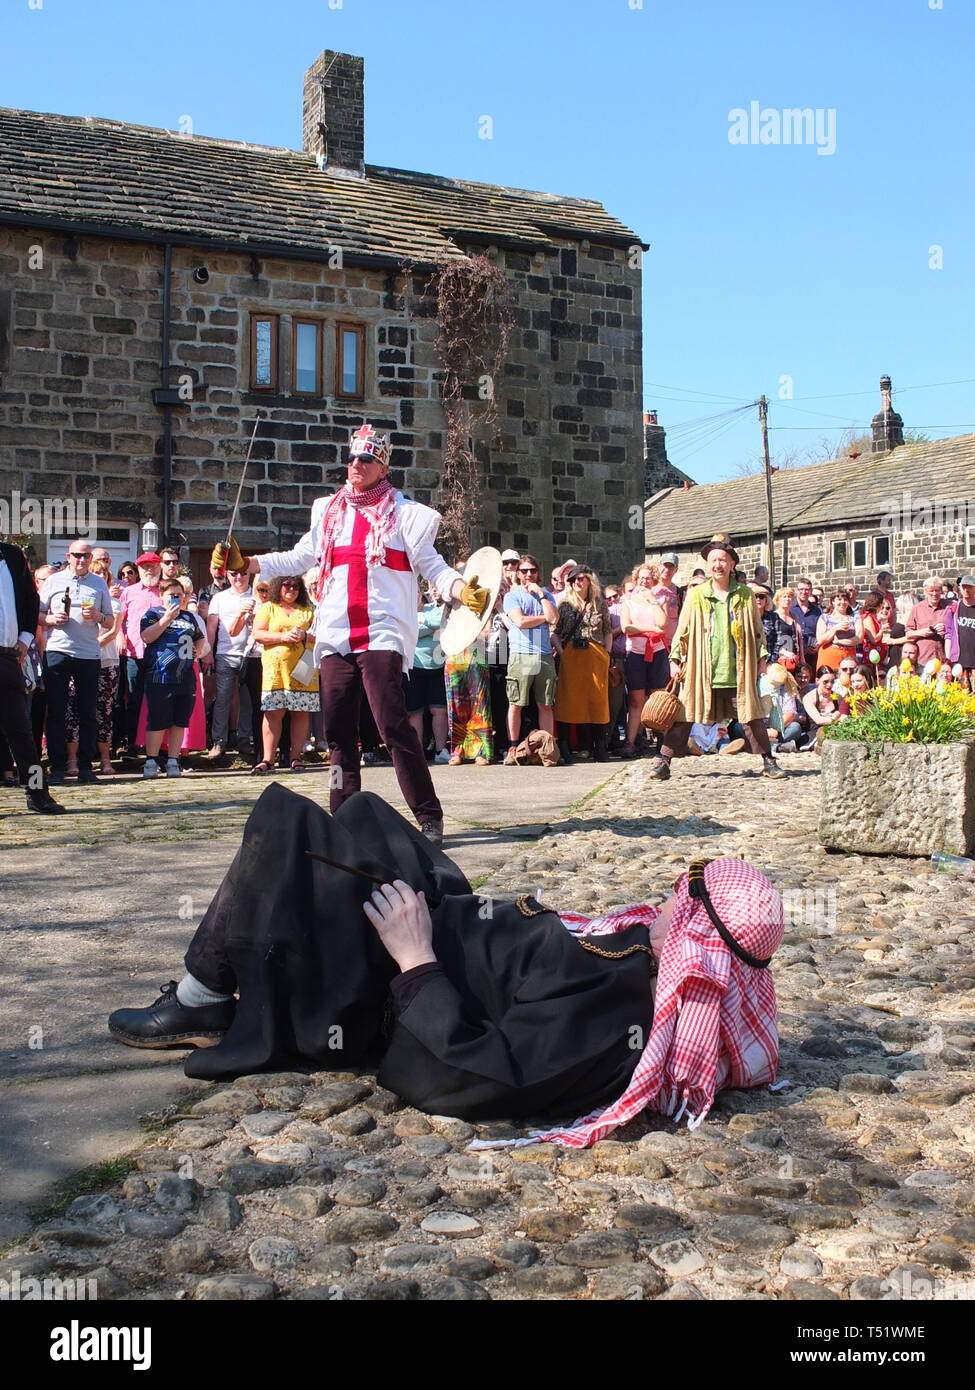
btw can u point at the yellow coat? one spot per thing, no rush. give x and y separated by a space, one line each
692 645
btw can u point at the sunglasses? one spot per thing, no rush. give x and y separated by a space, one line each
532 570
79 554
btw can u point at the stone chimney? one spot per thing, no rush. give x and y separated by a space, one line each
658 471
887 427
333 112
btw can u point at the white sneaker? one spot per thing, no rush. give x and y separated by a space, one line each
151 768
173 768
442 757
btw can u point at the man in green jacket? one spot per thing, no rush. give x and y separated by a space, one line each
720 645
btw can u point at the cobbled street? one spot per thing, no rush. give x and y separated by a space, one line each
853 1182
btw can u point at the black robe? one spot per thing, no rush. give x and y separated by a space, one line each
521 1019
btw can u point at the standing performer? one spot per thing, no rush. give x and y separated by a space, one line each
369 543
720 646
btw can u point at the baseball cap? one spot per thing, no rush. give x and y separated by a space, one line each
149 557
670 559
509 555
966 579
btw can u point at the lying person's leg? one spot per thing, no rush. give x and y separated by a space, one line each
288 934
199 1010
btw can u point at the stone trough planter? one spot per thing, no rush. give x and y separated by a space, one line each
898 798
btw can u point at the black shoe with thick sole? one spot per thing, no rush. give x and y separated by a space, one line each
56 777
168 1023
43 804
86 778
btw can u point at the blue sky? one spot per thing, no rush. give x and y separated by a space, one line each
767 260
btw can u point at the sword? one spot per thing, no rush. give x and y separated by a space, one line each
431 896
240 486
336 864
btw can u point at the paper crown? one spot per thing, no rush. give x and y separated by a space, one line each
366 443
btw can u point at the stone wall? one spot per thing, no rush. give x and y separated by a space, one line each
914 555
84 355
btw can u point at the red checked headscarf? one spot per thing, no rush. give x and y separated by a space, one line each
714 1018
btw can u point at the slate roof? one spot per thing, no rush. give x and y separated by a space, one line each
85 170
816 498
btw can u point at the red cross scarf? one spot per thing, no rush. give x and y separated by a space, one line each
378 505
714 1018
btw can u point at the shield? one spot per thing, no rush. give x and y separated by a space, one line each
461 628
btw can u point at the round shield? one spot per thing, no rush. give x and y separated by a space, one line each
461 628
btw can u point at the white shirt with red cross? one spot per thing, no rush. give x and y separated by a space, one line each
369 607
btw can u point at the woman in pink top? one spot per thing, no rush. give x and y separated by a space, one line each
643 621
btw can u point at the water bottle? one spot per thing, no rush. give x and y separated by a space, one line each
957 863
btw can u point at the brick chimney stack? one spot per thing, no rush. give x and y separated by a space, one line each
887 427
654 443
333 112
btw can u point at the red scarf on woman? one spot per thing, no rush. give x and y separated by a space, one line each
379 506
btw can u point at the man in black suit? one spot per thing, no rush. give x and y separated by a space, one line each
18 621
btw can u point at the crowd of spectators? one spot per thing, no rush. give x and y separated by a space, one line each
581 660
139 664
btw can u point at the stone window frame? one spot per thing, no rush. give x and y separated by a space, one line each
262 316
970 542
307 320
345 326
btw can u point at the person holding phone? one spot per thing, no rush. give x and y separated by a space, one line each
174 639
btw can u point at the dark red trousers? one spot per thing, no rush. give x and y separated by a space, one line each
380 675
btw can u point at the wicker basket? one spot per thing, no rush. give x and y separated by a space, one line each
660 711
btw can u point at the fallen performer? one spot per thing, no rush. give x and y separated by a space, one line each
470 1007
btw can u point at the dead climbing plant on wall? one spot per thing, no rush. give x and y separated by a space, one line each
475 316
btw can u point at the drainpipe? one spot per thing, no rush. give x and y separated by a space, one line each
167 438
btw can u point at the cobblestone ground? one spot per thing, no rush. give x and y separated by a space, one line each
855 1182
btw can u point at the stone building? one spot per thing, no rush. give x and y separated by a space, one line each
159 288
908 508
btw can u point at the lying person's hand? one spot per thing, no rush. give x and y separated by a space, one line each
402 919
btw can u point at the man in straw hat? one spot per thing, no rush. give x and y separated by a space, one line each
719 646
369 543
324 922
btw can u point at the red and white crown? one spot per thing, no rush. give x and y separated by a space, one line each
366 443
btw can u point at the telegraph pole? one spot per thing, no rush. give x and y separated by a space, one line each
769 524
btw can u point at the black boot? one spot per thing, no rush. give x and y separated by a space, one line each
600 740
563 742
168 1023
43 803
